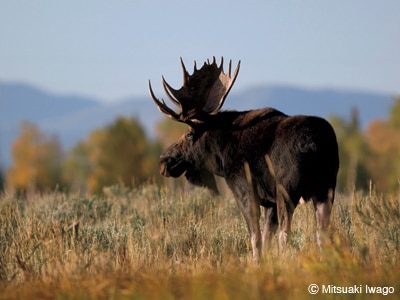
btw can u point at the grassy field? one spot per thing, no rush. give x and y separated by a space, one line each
150 243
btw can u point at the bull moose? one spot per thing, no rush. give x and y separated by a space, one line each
268 159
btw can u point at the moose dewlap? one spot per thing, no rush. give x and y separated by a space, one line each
268 159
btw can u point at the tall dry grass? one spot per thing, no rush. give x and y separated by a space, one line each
151 243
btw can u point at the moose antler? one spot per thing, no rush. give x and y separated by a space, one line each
202 92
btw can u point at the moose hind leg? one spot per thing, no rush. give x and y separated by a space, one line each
285 209
323 208
270 226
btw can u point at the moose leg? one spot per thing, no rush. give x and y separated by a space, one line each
323 208
285 213
251 213
250 209
270 226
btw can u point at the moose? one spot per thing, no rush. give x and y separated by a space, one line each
269 160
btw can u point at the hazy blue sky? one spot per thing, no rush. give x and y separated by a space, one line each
109 49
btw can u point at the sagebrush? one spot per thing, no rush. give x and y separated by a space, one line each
152 243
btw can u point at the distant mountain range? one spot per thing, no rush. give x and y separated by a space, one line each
73 117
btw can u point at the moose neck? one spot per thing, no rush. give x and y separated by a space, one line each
225 134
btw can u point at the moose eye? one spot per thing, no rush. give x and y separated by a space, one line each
189 136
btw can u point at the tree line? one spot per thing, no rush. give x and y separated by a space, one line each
121 153
369 158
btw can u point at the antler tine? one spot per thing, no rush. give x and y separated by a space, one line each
230 67
185 72
169 91
163 107
236 71
213 61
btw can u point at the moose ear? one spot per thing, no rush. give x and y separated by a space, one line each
203 178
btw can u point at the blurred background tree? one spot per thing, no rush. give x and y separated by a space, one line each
353 153
372 156
36 161
394 118
80 168
2 181
383 137
117 154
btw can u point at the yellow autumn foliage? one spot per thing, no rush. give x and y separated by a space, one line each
36 161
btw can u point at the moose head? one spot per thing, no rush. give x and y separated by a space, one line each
201 96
